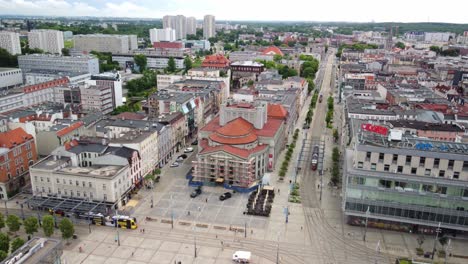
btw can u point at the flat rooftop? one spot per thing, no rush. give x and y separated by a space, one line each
36 250
8 69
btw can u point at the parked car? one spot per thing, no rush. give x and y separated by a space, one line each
188 150
195 143
180 159
175 164
225 196
196 192
241 256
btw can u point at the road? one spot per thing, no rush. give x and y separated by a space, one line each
334 245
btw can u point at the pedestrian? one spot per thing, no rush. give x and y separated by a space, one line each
143 230
133 253
199 208
301 228
318 186
251 231
206 200
279 191
188 213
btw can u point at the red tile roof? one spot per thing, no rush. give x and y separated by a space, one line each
130 116
14 137
167 45
242 153
71 144
69 129
277 111
236 128
268 130
273 50
216 61
45 85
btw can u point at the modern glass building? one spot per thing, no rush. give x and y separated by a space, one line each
409 182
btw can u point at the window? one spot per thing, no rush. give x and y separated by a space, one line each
395 158
48 180
71 193
465 165
373 166
436 162
105 197
441 173
400 169
368 155
422 161
78 193
450 164
64 182
59 191
414 170
84 184
77 183
360 165
456 175
91 195
386 167
427 188
427 172
71 182
42 179
103 186
381 157
408 160
441 190
385 184
90 184
465 193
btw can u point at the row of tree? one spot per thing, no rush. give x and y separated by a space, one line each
31 226
335 171
329 116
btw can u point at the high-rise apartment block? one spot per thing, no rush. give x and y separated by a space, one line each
10 42
191 26
178 23
209 27
47 40
165 34
105 43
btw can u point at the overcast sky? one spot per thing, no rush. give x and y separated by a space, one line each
289 10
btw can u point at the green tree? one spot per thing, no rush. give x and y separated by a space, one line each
31 225
141 61
13 222
400 45
335 134
436 49
2 221
4 242
48 225
250 83
16 243
3 255
65 52
335 154
187 63
67 228
7 60
171 65
277 58
311 86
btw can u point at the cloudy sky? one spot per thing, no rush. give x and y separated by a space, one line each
308 10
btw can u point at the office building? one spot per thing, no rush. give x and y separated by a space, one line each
178 23
10 77
102 93
406 183
17 153
165 34
105 43
191 26
209 27
50 41
34 62
10 42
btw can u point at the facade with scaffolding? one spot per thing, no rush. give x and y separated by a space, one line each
407 183
235 152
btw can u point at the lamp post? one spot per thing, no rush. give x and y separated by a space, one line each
22 212
367 219
245 229
6 208
438 230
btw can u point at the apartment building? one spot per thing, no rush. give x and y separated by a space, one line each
17 154
38 62
10 42
165 34
50 41
406 182
191 26
178 23
102 93
209 26
105 43
10 77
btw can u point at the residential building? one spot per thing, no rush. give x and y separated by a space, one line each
103 92
196 45
245 71
10 42
360 81
11 100
191 26
410 183
10 78
235 152
38 62
50 41
57 135
105 43
178 23
165 34
17 154
38 250
153 61
36 77
43 92
209 29
217 61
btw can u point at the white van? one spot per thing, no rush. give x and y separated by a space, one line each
241 256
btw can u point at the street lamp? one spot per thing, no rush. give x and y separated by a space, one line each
6 208
367 218
438 230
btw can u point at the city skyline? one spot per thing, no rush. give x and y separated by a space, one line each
396 11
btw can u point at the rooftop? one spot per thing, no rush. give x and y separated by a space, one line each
36 250
247 63
8 69
420 125
14 138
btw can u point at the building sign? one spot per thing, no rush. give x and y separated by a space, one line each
375 129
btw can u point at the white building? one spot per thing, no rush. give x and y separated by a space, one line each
105 43
47 40
191 26
10 42
165 34
10 77
153 62
178 23
438 36
34 62
209 27
102 93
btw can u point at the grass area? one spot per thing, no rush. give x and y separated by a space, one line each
68 44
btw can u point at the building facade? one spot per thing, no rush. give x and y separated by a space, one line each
165 34
10 42
17 154
209 26
10 77
105 43
34 62
47 40
191 26
178 23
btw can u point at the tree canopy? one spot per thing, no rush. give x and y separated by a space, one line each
187 63
7 60
141 61
48 225
13 222
138 87
31 225
67 228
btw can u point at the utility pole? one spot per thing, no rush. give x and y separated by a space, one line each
277 253
447 250
367 218
6 208
438 230
245 229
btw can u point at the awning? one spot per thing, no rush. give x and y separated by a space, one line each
220 180
269 188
